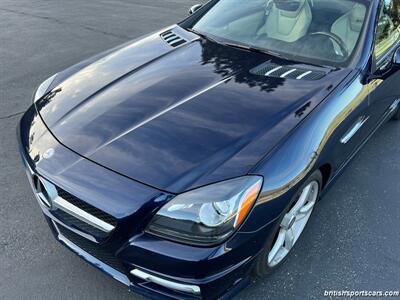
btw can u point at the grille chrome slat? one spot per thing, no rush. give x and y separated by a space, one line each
84 229
73 211
87 207
82 215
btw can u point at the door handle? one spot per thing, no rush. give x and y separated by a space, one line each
354 129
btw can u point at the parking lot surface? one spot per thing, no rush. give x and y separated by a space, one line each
351 243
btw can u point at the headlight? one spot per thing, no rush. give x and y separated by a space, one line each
208 215
42 89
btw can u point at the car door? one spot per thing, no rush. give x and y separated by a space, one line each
385 93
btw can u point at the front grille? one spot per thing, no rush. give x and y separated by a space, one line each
86 207
80 225
92 248
73 211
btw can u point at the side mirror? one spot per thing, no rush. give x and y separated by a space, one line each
396 58
386 69
194 8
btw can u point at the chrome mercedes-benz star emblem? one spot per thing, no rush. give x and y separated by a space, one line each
48 153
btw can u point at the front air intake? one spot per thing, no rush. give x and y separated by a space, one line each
172 39
289 72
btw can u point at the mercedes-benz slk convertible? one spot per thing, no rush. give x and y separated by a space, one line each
184 162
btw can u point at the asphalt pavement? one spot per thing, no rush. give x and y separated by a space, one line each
351 243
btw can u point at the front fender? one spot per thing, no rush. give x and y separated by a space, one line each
67 73
313 143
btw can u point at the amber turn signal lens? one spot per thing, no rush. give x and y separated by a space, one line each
247 203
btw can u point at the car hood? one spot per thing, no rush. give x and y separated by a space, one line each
178 118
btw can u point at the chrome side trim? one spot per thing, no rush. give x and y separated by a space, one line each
353 130
186 288
287 73
82 215
91 259
394 105
273 70
304 75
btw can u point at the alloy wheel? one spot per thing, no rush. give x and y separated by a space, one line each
293 224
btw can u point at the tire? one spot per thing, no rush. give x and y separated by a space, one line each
264 265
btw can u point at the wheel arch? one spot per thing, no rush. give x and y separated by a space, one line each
326 171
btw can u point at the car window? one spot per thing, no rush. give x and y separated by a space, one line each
315 31
388 28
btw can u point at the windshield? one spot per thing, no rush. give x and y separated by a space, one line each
316 31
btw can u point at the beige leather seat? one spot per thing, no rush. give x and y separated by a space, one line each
287 25
348 27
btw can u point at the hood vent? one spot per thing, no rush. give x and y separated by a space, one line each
172 38
289 72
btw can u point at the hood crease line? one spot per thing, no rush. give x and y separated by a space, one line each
151 118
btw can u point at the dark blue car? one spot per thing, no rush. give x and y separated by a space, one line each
185 161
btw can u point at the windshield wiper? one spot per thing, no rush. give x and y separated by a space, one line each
254 49
204 36
238 46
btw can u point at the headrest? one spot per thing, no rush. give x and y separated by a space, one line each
290 8
357 16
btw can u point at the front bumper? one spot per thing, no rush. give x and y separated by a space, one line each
149 265
150 283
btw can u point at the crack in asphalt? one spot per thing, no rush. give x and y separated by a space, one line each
12 115
120 36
